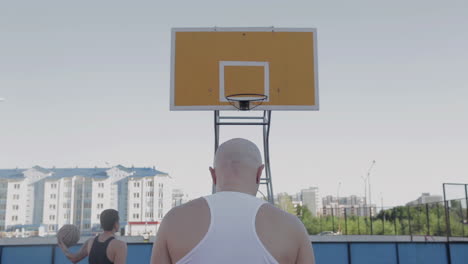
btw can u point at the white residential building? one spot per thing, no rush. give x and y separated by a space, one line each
310 199
53 197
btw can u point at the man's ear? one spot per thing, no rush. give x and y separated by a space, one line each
259 173
213 175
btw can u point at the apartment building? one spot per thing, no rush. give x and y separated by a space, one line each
50 198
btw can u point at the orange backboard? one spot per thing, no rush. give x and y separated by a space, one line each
208 64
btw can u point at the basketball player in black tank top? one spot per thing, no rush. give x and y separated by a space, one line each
104 248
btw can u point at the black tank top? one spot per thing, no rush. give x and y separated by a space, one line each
98 253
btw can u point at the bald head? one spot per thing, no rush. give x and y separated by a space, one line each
237 166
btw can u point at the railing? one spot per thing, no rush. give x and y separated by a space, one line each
325 253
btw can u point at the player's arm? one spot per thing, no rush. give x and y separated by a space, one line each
160 253
305 254
74 257
121 253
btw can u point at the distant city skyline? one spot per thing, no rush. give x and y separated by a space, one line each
87 83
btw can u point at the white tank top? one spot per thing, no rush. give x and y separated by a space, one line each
231 237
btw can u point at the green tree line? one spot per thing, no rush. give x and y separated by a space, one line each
423 219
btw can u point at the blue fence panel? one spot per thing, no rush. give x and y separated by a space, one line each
459 253
434 253
373 253
331 253
27 254
139 253
61 259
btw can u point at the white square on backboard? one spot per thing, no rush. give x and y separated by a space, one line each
266 74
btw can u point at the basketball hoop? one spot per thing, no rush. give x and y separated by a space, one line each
243 102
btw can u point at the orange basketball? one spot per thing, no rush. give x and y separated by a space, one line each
69 234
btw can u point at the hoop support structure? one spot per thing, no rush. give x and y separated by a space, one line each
265 122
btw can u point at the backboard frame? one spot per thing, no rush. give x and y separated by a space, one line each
173 107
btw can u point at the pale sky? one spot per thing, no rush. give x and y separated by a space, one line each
87 82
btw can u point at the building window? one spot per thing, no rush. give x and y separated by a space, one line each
53 186
136 216
150 194
149 183
149 214
14 218
66 216
52 206
66 205
51 217
2 206
53 196
160 213
2 217
98 216
136 205
100 206
16 186
51 228
136 184
87 226
16 196
67 194
136 195
101 185
15 207
87 195
88 205
160 194
160 203
100 195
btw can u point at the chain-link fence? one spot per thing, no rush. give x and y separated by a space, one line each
445 218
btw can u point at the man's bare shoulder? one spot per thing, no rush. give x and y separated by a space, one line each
191 208
118 243
270 212
280 232
185 217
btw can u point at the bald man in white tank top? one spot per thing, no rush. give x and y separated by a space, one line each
232 225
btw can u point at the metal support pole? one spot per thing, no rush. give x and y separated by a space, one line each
439 232
427 220
333 220
266 147
466 202
409 223
358 227
463 225
244 121
346 222
447 216
216 134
